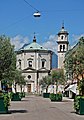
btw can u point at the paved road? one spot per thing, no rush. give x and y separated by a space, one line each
38 108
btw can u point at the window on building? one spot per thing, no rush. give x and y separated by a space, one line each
62 37
60 47
19 63
63 47
30 63
43 63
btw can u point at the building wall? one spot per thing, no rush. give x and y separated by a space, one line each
36 71
61 60
36 58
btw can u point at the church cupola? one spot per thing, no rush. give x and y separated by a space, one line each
62 45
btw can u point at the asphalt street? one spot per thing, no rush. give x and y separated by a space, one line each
38 108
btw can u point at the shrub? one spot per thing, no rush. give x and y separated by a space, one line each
76 102
56 97
52 97
6 100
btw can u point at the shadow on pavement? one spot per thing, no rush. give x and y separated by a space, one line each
17 111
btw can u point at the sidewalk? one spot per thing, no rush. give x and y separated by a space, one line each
39 108
67 99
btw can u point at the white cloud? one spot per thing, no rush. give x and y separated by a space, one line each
51 43
18 41
75 39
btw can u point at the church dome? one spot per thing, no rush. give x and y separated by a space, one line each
33 46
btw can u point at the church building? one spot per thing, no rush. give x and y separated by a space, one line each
35 62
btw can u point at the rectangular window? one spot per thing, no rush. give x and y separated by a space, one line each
19 63
43 64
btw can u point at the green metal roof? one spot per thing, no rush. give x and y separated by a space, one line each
34 46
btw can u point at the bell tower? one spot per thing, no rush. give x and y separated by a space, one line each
62 45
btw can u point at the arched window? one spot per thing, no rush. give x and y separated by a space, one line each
30 63
43 63
62 37
30 60
60 47
63 47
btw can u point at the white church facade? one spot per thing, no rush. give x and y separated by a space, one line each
35 62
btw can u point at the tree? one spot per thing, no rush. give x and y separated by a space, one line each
22 81
18 79
76 66
79 60
45 82
7 59
58 77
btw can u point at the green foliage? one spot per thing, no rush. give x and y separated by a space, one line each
58 76
6 97
16 96
6 100
81 86
56 97
77 102
74 63
18 78
7 59
52 97
68 64
45 82
11 95
22 94
74 59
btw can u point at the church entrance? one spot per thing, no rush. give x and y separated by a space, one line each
29 88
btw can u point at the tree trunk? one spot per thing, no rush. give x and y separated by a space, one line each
15 88
56 87
0 86
47 89
21 87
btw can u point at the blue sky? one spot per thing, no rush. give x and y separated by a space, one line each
17 21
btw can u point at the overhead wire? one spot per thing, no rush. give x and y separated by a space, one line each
30 5
22 18
37 11
14 23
